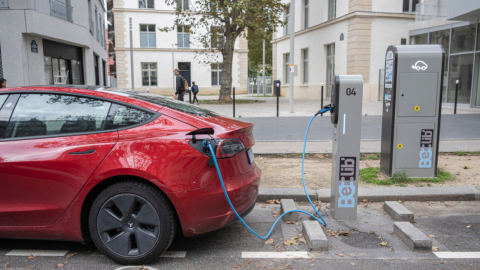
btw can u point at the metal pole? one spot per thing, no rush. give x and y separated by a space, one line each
456 95
190 95
173 67
131 53
264 86
292 47
278 98
321 99
234 100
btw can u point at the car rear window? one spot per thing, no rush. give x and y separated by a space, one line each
167 102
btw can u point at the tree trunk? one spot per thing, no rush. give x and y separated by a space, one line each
226 83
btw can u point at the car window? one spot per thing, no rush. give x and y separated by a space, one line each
122 116
52 114
166 102
2 100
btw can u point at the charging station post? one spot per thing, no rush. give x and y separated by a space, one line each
346 117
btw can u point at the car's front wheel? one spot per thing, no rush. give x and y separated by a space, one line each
132 223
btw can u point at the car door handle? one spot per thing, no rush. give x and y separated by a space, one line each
91 151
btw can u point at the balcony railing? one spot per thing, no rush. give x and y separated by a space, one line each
431 10
92 26
98 35
61 10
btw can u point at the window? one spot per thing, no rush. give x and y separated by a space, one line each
287 68
332 9
218 37
122 116
463 38
410 5
287 19
96 23
330 69
92 27
403 41
147 36
305 10
216 74
146 3
419 39
149 74
2 100
305 66
183 36
50 114
182 4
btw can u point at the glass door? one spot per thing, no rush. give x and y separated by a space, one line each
461 68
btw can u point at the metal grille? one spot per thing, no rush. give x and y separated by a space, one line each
256 86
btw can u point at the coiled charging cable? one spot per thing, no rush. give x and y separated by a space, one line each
207 144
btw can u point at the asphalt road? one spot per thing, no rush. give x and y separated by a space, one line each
225 249
453 127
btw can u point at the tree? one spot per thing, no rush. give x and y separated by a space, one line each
219 23
255 51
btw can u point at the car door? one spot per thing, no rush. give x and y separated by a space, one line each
50 144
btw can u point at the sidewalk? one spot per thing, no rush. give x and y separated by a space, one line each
302 107
445 193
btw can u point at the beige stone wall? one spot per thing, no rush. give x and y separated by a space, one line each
242 56
358 5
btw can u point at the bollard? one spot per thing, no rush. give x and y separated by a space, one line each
148 91
321 100
234 100
456 95
276 88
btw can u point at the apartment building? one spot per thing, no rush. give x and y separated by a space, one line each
455 25
49 42
156 53
340 37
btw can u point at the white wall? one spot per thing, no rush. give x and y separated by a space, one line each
393 6
382 37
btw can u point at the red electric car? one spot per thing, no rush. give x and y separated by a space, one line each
125 169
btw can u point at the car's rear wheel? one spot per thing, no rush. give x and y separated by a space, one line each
132 223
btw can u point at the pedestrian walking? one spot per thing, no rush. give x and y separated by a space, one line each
195 92
3 83
181 85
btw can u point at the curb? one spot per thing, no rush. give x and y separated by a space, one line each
445 193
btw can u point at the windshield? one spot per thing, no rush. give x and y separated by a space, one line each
166 102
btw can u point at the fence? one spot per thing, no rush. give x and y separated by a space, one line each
255 85
430 10
61 10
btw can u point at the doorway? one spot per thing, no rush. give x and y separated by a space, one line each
185 71
104 70
97 74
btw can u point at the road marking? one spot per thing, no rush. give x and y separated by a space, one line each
174 254
458 255
36 252
275 255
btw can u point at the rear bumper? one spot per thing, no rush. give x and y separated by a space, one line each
206 209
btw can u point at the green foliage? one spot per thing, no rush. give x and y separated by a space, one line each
370 175
255 53
461 153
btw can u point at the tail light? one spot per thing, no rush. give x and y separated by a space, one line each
228 147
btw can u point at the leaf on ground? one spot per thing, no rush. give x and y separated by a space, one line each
468 226
364 200
263 206
278 250
345 233
276 213
269 241
31 256
302 240
466 167
392 249
291 242
7 265
366 205
340 254
384 243
434 248
400 201
62 264
352 264
432 236
290 222
271 201
71 255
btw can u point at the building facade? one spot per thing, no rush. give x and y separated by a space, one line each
48 42
156 53
339 37
455 25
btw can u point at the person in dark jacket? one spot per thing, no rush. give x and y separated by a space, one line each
3 83
195 92
179 85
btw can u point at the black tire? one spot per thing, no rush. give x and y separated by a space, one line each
132 222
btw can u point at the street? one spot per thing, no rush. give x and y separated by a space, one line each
367 243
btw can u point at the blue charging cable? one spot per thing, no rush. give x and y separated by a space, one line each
207 143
